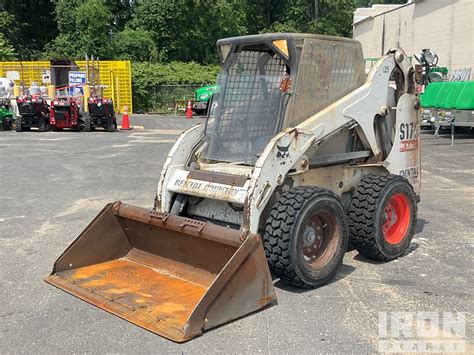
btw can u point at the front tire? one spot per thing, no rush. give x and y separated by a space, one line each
383 216
306 236
7 123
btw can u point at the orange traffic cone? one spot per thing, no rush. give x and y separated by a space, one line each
189 110
125 120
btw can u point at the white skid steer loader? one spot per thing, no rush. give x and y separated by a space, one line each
300 152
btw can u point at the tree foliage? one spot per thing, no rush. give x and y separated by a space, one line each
85 27
7 52
159 35
160 30
154 83
135 45
31 26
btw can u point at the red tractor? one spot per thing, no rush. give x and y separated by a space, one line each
101 114
65 113
34 112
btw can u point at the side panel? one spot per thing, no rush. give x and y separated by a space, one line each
181 181
405 157
328 71
177 157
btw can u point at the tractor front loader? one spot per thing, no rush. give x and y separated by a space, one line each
300 152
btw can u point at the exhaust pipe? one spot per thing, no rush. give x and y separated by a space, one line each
174 276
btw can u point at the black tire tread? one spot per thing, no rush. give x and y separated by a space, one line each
87 123
18 124
276 237
111 125
362 214
42 124
7 123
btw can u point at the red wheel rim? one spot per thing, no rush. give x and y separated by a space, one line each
396 218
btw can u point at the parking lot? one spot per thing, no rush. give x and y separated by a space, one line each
54 183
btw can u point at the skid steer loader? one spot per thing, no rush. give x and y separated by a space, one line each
300 150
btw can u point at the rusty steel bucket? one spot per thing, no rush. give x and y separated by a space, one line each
171 275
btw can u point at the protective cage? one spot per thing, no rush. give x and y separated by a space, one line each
247 109
270 82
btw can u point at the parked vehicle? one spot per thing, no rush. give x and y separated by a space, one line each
65 113
6 115
202 97
33 113
100 114
301 152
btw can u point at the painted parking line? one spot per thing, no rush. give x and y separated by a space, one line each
132 127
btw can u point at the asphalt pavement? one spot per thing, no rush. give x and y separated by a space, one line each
54 183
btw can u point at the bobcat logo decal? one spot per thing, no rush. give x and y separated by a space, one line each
283 153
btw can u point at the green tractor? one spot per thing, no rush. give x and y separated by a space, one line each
6 115
202 97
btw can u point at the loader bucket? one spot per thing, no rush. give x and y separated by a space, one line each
171 275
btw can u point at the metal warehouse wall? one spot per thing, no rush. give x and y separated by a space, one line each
444 26
114 75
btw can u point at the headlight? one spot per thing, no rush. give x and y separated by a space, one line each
202 97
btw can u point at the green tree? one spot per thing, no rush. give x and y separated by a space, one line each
188 30
333 17
135 45
8 27
85 27
219 19
7 52
121 11
166 21
93 24
33 26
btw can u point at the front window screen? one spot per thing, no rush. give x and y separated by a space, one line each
245 114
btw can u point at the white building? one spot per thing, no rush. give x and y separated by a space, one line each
444 26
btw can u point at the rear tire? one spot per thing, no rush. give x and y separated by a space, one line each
18 124
111 125
42 124
306 236
87 123
383 216
7 123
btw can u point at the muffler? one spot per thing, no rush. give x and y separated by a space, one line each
174 276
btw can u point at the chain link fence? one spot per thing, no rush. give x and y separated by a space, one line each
166 99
